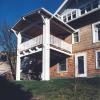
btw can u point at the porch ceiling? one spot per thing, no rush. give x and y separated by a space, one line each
55 29
34 20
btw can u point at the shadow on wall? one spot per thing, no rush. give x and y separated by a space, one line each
11 91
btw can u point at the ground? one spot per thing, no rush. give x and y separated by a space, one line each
64 89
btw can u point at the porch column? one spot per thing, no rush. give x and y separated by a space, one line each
18 64
46 50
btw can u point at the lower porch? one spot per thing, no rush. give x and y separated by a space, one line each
31 65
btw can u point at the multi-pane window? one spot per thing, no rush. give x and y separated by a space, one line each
74 14
63 65
95 4
90 6
69 17
64 19
96 32
75 37
82 11
98 59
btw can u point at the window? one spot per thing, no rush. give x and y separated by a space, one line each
64 19
96 32
74 14
95 4
69 17
98 59
63 66
82 11
88 8
75 37
81 64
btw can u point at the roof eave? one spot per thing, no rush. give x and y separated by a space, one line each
47 13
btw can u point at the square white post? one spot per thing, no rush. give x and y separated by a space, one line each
18 64
46 50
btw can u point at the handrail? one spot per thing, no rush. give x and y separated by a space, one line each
54 41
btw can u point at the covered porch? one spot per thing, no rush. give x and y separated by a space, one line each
42 35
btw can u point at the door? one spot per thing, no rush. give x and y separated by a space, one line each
80 65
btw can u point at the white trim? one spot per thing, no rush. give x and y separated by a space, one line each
86 13
73 42
18 64
14 32
58 65
65 1
85 64
96 58
30 52
93 32
46 50
70 54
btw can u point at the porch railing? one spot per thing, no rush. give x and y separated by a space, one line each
54 41
31 43
59 43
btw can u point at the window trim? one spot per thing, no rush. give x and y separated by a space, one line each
64 17
78 11
73 42
93 32
58 67
96 59
91 4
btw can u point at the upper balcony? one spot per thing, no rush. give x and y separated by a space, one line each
36 28
37 43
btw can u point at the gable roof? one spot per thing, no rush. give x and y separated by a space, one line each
65 1
37 13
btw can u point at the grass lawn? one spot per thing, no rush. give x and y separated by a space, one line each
64 89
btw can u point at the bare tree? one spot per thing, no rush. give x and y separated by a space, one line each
8 44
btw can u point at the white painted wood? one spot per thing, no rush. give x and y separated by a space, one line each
57 11
18 58
58 50
60 43
31 43
84 54
31 52
95 32
46 50
97 59
14 31
73 42
57 42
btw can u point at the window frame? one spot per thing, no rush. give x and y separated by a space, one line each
64 18
69 15
58 67
73 40
74 12
91 4
94 36
97 59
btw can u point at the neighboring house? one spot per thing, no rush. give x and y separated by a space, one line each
67 42
5 69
